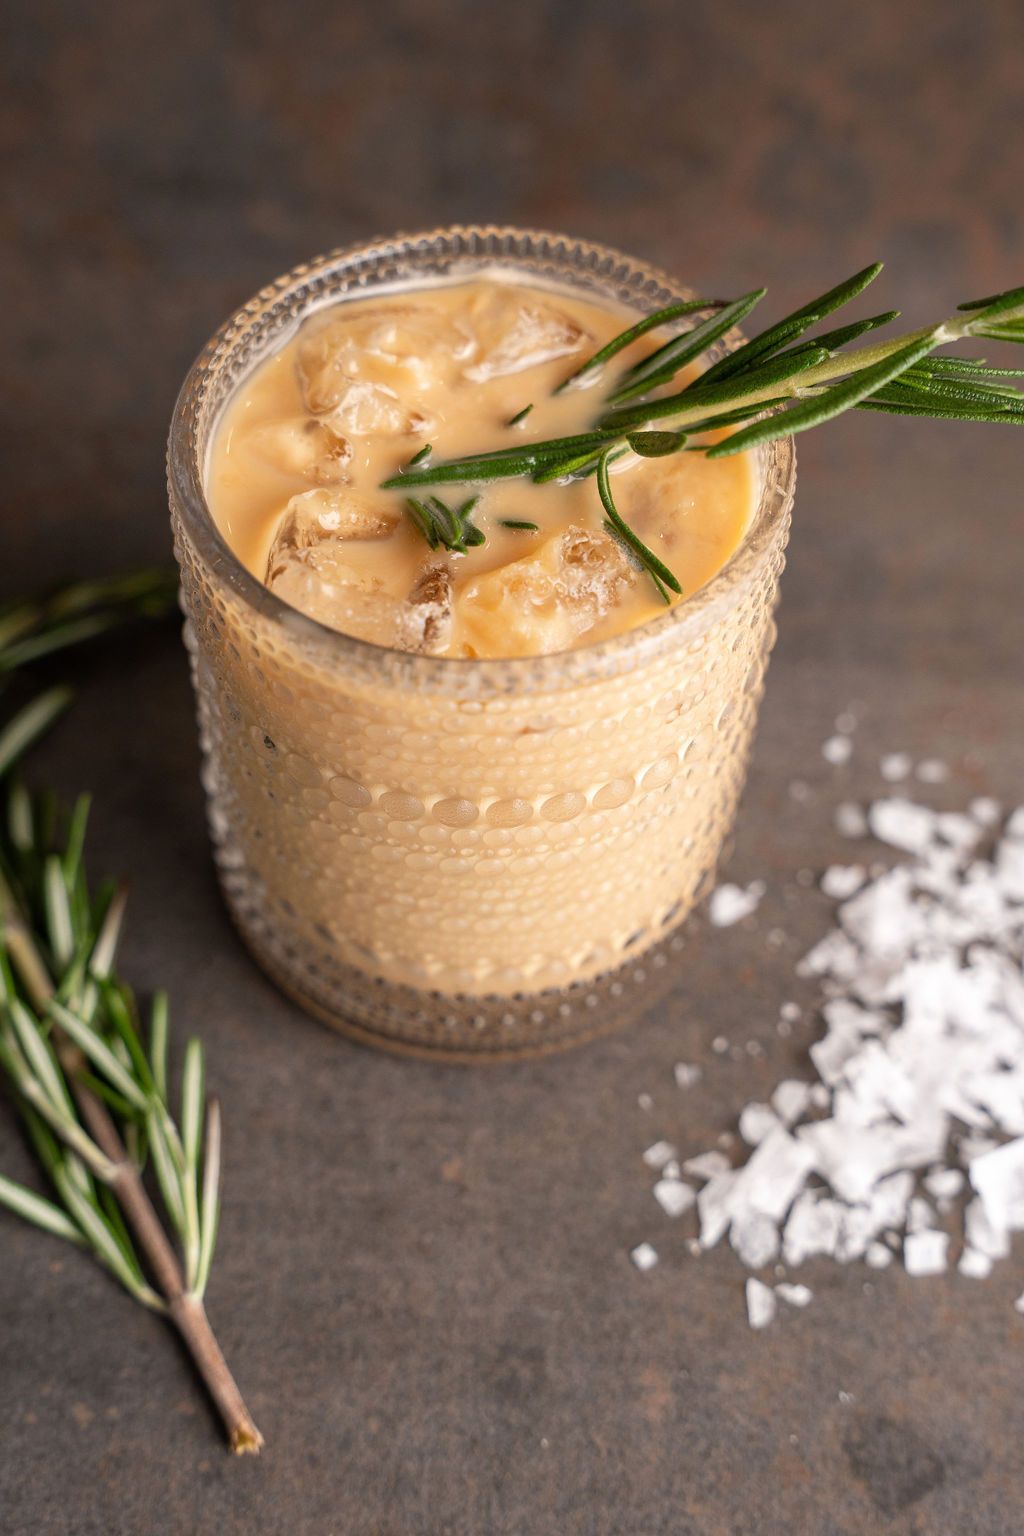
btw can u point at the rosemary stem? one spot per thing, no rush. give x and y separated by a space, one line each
185 1309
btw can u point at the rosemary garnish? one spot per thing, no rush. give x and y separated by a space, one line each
423 454
445 526
766 387
510 522
519 417
617 525
90 1084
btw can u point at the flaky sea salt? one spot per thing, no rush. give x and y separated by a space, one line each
644 1256
794 1295
686 1075
924 1253
851 820
895 766
659 1153
729 904
761 1306
837 750
914 1127
674 1196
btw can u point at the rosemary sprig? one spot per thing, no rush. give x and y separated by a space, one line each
444 526
90 1083
767 387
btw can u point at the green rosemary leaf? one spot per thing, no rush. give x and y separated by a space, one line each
656 445
509 522
58 912
520 416
663 364
641 328
424 453
1008 331
120 1007
75 841
158 1030
844 334
209 1203
421 520
965 367
34 1208
99 1053
940 413
627 535
192 1102
110 1096
996 304
774 372
951 391
30 723
831 402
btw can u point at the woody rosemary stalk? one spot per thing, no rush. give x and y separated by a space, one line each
770 386
91 1086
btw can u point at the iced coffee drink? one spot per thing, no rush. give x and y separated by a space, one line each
469 756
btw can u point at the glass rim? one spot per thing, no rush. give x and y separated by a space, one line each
482 246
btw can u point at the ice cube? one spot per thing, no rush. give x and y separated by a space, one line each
548 600
312 567
302 445
398 352
515 332
319 523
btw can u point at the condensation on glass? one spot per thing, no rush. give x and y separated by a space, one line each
463 857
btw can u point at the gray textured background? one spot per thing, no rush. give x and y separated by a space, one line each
423 1281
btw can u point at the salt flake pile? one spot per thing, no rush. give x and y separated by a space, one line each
915 1128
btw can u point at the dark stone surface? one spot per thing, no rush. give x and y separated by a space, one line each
423 1280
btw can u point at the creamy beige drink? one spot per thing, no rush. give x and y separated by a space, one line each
439 839
294 480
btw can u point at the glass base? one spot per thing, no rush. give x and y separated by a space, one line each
449 1027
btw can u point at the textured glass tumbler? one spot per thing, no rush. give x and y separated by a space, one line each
462 858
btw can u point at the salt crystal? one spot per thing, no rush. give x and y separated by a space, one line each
761 1304
671 1170
985 810
931 771
713 1205
686 1075
975 1264
795 1295
902 824
841 881
1010 869
919 1216
1018 1305
674 1196
851 820
1014 828
644 1256
790 1099
719 1045
895 766
790 1011
924 1253
774 1175
944 1183
707 1165
878 1256
729 904
837 750
983 1234
812 1228
755 1239
998 1178
659 1153
644 1101
755 1123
